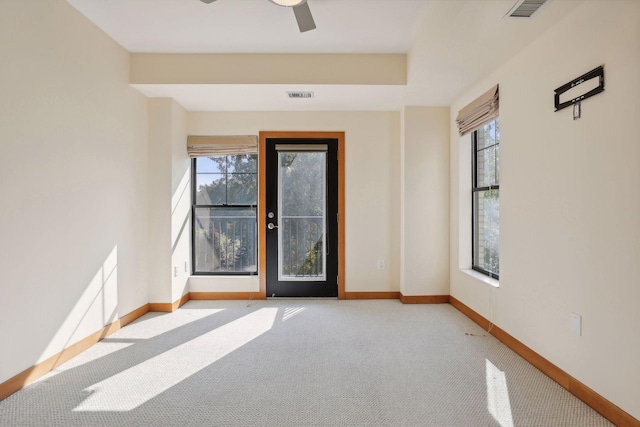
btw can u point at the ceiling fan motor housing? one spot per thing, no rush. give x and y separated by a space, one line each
288 3
301 10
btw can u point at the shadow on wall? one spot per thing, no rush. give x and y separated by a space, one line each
180 210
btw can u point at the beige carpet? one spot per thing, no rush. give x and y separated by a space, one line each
298 363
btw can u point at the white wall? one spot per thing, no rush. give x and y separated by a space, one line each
569 232
425 201
372 145
73 165
169 201
159 196
180 203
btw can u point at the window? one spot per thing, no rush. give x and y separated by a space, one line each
486 199
224 214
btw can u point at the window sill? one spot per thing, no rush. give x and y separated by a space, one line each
223 276
482 277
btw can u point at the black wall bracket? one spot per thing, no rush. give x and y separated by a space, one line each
595 73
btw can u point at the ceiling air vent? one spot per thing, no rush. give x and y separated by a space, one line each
300 95
525 8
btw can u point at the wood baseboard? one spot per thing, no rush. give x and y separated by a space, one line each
169 307
135 314
424 299
601 405
31 374
371 295
604 407
225 296
182 301
162 307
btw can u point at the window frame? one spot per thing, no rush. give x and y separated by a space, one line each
195 206
475 189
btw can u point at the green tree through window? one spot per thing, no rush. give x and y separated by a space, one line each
486 199
303 205
224 214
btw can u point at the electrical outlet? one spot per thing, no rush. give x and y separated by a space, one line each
175 271
576 324
185 266
380 264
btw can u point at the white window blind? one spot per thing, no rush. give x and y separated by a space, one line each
221 145
479 112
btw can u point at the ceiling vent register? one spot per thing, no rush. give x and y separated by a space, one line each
525 8
299 95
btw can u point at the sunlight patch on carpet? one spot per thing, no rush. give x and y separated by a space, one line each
498 403
289 312
137 385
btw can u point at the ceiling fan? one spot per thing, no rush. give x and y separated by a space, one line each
300 9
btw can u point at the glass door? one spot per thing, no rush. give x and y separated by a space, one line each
301 218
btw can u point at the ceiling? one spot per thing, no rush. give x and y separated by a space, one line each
445 41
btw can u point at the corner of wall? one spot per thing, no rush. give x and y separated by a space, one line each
425 201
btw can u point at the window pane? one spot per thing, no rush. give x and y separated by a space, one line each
225 240
497 165
224 237
486 204
211 164
486 250
487 135
242 163
486 167
211 189
242 189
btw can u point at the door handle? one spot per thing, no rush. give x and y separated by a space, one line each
271 226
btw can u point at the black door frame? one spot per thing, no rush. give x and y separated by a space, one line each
328 286
262 195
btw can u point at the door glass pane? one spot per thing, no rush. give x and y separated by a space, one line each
301 215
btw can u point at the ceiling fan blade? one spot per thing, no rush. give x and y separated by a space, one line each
304 17
207 1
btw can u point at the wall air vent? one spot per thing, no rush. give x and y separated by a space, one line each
300 95
525 8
